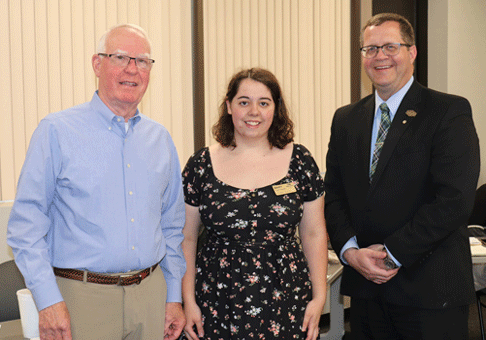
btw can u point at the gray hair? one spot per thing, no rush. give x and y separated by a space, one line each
138 29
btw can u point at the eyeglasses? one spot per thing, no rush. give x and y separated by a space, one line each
388 50
122 60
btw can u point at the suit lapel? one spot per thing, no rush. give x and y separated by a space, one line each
402 120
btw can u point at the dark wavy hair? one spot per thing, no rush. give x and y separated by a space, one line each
406 29
281 131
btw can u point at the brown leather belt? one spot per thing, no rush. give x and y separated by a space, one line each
119 280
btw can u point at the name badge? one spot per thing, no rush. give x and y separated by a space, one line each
283 189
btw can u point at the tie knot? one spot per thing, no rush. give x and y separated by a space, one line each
384 108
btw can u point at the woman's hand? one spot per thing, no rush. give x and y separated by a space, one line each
312 316
193 318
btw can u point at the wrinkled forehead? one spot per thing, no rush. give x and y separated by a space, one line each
127 40
386 32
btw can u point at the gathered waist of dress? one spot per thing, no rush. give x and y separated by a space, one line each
274 241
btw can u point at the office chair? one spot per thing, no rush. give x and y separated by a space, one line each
11 280
478 217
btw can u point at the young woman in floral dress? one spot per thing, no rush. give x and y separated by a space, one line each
254 278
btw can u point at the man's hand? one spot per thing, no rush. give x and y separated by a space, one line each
380 248
55 322
369 263
175 320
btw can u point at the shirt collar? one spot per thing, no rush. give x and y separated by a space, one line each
394 101
107 115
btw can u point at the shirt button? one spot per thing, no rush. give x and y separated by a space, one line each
118 119
130 193
109 128
128 165
133 247
132 220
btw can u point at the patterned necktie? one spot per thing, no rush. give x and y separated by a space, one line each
380 140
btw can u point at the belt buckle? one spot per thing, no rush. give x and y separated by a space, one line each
136 278
121 278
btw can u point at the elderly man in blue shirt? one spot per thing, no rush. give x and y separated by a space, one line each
96 227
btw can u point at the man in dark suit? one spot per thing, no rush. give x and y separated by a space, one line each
400 185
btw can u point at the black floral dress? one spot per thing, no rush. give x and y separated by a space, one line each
252 279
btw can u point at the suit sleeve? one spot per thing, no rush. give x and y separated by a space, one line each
336 209
452 175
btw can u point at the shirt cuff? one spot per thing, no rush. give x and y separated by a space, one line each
46 294
352 243
392 257
174 290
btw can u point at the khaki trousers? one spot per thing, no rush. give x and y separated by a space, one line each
115 312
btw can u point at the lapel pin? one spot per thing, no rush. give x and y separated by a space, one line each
411 113
404 121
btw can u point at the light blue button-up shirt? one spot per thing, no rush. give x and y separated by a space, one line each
393 104
96 196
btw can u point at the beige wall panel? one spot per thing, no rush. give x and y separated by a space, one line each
112 13
177 72
17 82
42 63
317 87
48 47
133 10
306 116
246 25
224 15
273 27
29 86
7 173
160 96
236 42
90 46
277 60
157 22
53 57
456 57
302 42
285 51
292 88
66 53
122 11
329 56
100 19
79 54
263 18
181 77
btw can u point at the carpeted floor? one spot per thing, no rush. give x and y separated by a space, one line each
474 328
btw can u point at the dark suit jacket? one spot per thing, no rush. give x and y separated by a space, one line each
418 203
